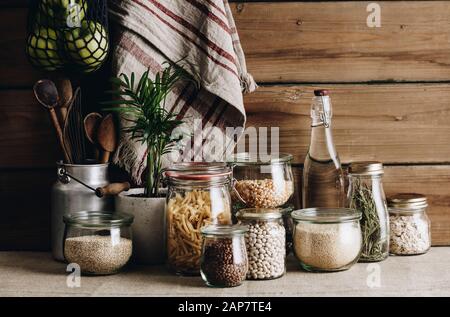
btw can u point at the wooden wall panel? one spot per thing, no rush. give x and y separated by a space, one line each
27 138
330 41
307 42
404 123
16 71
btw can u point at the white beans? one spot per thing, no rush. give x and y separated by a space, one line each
266 250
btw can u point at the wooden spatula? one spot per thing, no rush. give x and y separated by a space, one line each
107 137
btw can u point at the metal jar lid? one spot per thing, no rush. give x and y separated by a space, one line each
259 214
408 201
366 168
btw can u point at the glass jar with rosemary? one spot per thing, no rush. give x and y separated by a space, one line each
366 194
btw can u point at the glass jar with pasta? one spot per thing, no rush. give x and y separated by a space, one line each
196 197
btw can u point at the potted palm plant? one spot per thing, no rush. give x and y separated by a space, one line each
141 106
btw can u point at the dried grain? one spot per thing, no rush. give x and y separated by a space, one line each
327 246
97 254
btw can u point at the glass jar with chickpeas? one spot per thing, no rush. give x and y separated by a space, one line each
261 182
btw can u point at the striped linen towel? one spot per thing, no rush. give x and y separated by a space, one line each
203 33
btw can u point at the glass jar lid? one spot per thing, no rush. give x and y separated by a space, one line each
200 166
407 201
326 215
246 158
259 213
199 171
366 168
98 219
223 230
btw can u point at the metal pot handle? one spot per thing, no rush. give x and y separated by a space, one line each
62 176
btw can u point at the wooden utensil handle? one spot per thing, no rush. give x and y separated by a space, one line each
63 112
112 189
105 157
59 133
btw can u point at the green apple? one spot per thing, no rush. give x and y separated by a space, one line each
43 49
65 13
87 45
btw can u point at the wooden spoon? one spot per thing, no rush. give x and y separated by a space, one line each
66 94
91 123
107 137
47 95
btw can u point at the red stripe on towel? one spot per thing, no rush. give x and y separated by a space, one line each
187 104
179 97
188 38
204 9
194 30
211 2
127 44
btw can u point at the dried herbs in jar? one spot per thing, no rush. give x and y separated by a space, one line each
366 194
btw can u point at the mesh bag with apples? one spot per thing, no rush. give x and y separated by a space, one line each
70 34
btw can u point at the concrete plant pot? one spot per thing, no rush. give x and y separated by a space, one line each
149 225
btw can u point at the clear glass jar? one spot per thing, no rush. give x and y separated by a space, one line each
196 197
366 194
266 242
224 257
327 239
262 183
99 242
409 223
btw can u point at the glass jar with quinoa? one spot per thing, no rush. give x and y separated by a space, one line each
327 239
262 182
197 197
99 242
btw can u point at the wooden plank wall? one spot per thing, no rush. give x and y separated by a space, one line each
390 91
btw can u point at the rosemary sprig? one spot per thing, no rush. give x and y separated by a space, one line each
362 199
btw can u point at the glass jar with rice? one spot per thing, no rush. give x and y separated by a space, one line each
197 196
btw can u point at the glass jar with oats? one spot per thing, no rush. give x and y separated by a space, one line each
197 196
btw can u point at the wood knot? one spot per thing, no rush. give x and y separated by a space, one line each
295 94
299 22
240 7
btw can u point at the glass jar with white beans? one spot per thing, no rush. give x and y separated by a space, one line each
265 241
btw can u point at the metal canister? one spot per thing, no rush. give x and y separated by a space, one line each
71 193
